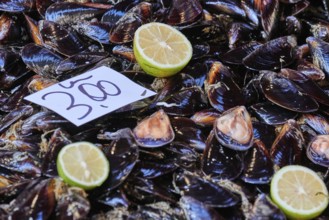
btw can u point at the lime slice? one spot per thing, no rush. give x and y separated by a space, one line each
161 50
82 164
299 192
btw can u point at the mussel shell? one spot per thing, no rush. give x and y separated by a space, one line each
60 39
310 70
123 155
125 52
154 131
281 91
173 85
17 6
33 30
317 122
72 203
184 103
194 209
236 55
19 113
318 150
114 198
264 208
225 6
154 163
272 114
145 191
57 141
273 54
79 62
288 146
224 95
68 13
11 191
320 53
20 162
97 31
12 30
124 29
258 165
206 191
188 132
220 162
41 60
320 31
182 12
264 132
118 10
269 13
293 25
234 130
307 85
39 192
239 33
185 156
205 117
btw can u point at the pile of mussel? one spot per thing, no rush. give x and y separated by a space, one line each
254 98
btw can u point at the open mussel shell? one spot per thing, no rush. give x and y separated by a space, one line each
154 131
320 53
258 165
220 162
272 114
288 146
182 12
273 54
204 190
281 91
234 129
318 150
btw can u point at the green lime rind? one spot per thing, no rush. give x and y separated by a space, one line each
70 181
290 212
155 70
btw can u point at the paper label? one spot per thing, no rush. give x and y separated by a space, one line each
90 95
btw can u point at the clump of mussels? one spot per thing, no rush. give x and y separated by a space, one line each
254 98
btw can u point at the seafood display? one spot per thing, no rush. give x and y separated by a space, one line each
253 98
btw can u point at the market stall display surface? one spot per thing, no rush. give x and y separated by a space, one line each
215 142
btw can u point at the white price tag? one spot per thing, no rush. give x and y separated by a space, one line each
90 95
